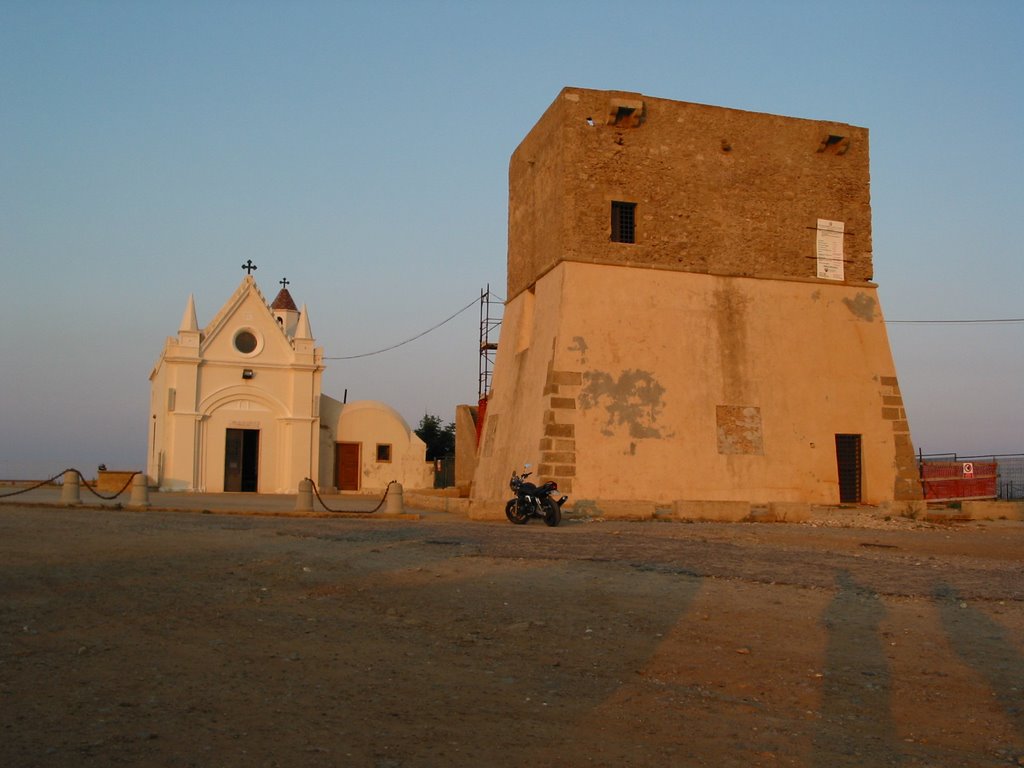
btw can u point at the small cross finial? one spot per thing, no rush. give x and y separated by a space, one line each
284 282
249 267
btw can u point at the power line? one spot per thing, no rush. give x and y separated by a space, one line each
959 322
411 338
451 317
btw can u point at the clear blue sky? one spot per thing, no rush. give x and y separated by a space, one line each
360 149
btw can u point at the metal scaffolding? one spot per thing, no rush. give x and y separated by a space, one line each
490 322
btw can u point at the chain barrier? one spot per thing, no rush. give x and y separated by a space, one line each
40 484
131 477
82 480
100 495
316 492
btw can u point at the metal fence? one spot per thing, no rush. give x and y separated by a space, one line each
1009 473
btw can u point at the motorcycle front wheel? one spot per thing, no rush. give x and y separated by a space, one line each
514 513
552 513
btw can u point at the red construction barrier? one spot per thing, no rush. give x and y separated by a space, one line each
956 480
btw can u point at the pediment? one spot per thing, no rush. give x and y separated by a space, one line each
245 330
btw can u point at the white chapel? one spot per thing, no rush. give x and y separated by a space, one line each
236 406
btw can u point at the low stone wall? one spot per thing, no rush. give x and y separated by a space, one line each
614 509
993 510
787 512
682 510
719 511
437 502
113 480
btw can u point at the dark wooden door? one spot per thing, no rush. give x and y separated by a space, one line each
242 460
346 468
848 461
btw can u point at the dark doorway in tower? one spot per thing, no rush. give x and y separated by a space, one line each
242 460
848 460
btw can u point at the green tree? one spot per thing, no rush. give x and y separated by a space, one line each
439 437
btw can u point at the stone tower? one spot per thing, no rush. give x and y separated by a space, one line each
691 313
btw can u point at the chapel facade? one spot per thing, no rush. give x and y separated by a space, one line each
691 313
236 406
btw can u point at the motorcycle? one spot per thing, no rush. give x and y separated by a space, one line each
533 501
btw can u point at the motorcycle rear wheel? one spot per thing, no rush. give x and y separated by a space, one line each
552 513
515 514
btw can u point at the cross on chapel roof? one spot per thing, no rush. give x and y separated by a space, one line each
249 267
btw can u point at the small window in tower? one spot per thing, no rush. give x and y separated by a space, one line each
384 453
835 144
623 222
622 113
626 113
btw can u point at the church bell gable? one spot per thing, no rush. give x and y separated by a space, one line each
246 331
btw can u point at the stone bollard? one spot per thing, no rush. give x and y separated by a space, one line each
140 492
304 499
71 492
395 500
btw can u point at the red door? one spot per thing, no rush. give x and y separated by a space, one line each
346 467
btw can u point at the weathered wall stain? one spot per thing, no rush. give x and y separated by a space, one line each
633 400
579 345
730 316
739 429
863 306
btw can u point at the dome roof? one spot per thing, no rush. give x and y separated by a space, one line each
374 405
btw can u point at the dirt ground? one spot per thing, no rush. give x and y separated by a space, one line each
186 639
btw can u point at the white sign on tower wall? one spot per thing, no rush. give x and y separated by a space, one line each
830 249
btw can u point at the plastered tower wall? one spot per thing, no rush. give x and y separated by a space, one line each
705 360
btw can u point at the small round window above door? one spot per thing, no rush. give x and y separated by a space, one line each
246 342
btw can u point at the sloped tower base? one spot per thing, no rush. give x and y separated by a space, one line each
626 383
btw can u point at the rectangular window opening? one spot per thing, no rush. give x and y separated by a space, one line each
384 453
622 113
623 222
835 144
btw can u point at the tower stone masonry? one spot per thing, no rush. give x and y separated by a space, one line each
691 313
